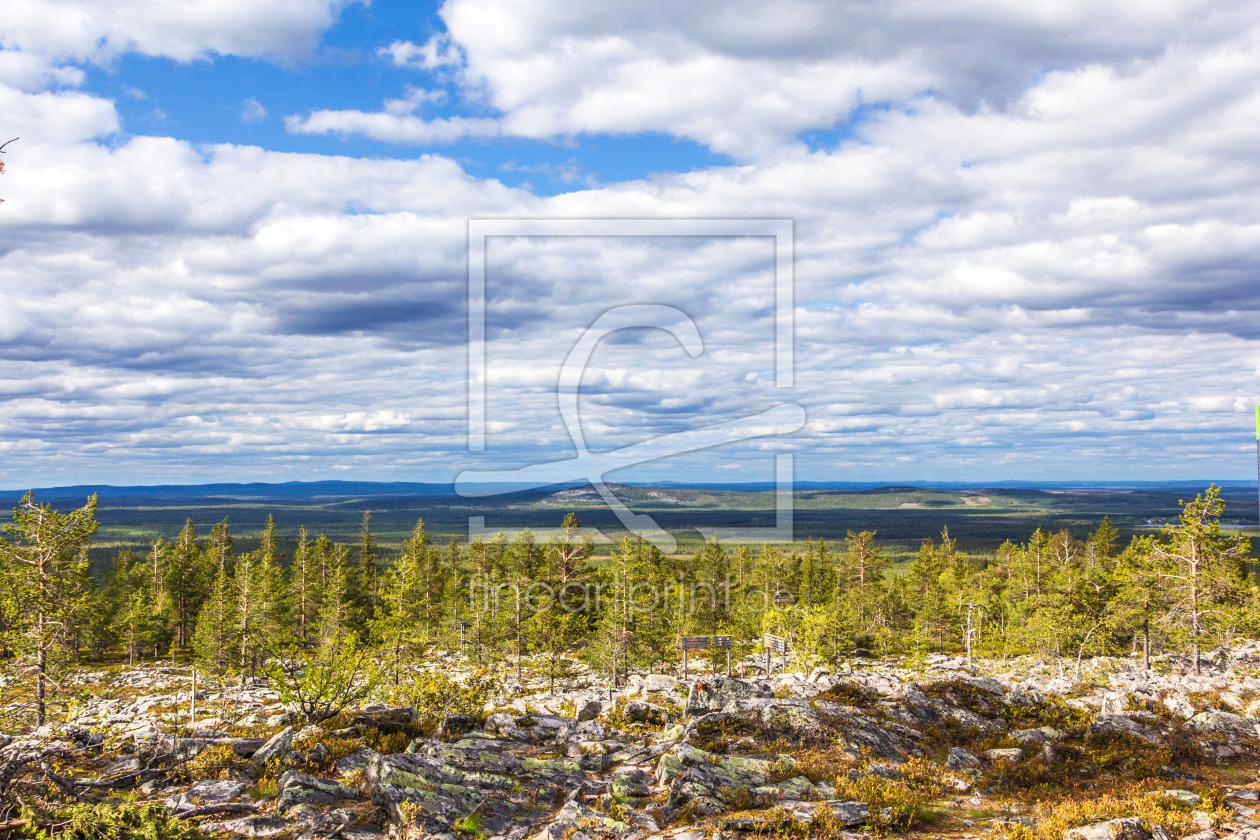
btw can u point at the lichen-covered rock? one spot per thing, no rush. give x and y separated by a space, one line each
1111 724
641 712
960 759
276 746
577 820
712 695
1038 736
845 813
1126 828
1009 755
300 789
254 826
708 783
1187 797
443 794
630 783
1179 704
1231 730
206 792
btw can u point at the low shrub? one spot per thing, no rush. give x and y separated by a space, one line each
1053 817
896 804
103 821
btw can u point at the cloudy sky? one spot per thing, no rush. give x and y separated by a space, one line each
233 243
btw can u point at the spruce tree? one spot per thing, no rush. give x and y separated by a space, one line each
215 641
185 580
136 621
305 588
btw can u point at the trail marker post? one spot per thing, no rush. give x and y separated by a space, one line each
725 643
690 643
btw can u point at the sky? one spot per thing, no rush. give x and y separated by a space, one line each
233 243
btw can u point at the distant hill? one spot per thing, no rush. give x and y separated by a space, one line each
405 489
256 490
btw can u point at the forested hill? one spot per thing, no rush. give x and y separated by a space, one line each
979 516
386 489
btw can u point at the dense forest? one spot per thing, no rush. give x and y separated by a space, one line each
511 605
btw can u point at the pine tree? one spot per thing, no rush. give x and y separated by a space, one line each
521 565
553 634
709 595
568 551
862 571
1204 571
305 588
46 563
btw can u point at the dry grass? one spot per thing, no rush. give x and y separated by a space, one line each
1053 817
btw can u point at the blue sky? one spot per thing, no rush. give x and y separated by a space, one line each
204 101
233 243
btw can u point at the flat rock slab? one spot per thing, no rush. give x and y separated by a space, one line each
846 813
260 826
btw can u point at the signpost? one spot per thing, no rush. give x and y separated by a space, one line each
690 643
777 644
725 643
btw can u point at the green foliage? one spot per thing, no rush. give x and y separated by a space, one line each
896 804
471 826
324 682
102 821
46 589
434 694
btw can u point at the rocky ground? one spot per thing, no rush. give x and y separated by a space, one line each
1022 751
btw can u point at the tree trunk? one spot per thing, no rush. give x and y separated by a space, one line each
41 668
1146 644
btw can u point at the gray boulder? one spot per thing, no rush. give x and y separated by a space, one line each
642 712
276 746
206 792
1125 828
300 789
255 826
1234 730
1112 724
630 783
589 709
960 759
1009 755
713 695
